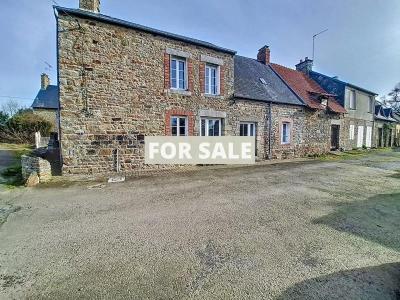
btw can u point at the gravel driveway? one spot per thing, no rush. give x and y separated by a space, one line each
304 230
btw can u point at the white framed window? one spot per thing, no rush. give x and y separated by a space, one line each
247 129
351 132
351 98
285 133
178 73
179 126
212 79
211 127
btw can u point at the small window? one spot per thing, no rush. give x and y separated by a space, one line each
285 133
352 99
351 134
212 79
179 126
263 81
178 73
211 127
371 104
247 129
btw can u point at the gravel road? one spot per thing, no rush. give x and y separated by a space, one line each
304 230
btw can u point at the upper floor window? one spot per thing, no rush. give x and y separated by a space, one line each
178 73
351 98
212 79
285 133
179 126
371 104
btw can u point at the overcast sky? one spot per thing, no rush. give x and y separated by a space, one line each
362 45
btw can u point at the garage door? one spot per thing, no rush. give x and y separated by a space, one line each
360 136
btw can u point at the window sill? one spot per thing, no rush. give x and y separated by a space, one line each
213 96
180 92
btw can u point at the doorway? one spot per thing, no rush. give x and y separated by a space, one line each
335 137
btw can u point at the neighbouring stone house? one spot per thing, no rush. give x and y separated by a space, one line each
360 105
121 81
385 126
321 116
396 116
45 103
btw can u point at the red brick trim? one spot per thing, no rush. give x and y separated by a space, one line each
281 121
179 112
190 75
222 80
202 74
167 72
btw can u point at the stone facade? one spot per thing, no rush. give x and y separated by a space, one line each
384 134
33 164
121 96
310 131
114 91
349 140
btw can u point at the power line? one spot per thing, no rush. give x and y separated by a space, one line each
15 97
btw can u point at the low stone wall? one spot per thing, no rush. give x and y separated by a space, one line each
39 165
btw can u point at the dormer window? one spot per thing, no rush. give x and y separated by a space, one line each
324 101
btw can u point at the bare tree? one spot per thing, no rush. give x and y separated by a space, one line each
394 95
11 107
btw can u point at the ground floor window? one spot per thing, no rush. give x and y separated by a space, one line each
211 127
247 129
285 133
179 126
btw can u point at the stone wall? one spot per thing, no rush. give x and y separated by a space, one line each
384 134
351 143
32 164
121 98
310 131
114 92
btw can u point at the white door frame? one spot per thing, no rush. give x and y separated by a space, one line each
368 137
360 136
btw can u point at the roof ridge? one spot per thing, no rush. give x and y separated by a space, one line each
121 22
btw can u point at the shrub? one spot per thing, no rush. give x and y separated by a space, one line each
21 128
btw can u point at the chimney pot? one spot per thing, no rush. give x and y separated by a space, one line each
45 81
305 66
264 55
90 5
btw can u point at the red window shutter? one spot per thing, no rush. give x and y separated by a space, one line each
190 75
222 80
202 75
167 72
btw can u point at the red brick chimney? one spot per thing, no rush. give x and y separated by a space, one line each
90 5
263 55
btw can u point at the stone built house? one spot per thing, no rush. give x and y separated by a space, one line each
323 116
385 126
120 81
360 105
45 103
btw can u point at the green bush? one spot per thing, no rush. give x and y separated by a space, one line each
21 127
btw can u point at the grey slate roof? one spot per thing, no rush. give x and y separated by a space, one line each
334 79
47 99
248 85
119 22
